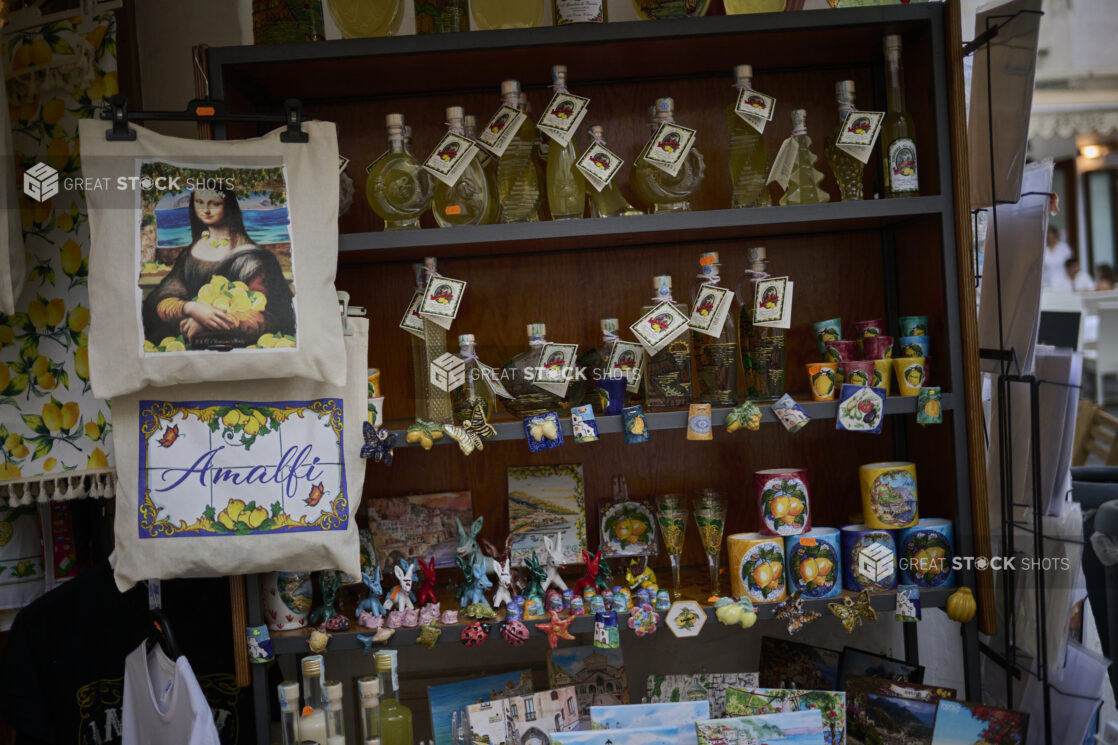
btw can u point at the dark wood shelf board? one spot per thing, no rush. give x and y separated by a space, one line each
642 230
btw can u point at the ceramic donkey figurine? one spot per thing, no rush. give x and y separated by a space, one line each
500 562
591 578
426 592
553 562
472 591
372 603
536 576
400 597
467 541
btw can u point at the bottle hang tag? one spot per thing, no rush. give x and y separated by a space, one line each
556 368
501 129
562 117
441 299
369 167
772 303
668 148
599 165
859 133
659 327
342 163
492 379
451 157
412 322
755 108
712 306
784 162
627 358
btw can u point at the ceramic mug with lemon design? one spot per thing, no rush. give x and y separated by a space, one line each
910 373
757 567
814 563
821 378
782 501
926 552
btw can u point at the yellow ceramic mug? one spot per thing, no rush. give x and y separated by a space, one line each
910 374
757 567
888 494
374 382
821 378
883 374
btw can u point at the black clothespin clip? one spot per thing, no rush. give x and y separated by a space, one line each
293 108
160 630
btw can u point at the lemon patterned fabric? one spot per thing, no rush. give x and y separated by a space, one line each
54 435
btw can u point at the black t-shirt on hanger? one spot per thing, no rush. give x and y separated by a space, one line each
62 671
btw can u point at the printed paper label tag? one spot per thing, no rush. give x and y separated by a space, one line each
342 163
711 309
562 116
556 368
772 303
859 133
659 327
784 162
378 158
451 157
599 165
441 299
412 322
669 147
756 109
493 379
902 166
627 357
501 129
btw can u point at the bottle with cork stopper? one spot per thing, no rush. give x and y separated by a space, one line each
661 191
763 351
397 188
468 201
749 156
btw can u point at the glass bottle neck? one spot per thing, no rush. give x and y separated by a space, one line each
467 350
844 109
396 143
894 91
312 692
387 685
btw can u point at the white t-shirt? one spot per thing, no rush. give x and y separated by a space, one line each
1054 259
163 702
1082 283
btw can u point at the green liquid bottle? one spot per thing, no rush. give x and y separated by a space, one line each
660 190
609 202
489 168
716 357
468 201
566 188
395 718
749 156
397 188
764 352
803 186
898 133
847 168
518 176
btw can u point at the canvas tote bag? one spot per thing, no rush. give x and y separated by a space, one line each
243 477
12 263
211 260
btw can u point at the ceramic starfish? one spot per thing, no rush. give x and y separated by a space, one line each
556 629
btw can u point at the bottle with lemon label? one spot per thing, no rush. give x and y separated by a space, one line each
716 357
898 148
763 348
667 376
469 201
518 175
566 187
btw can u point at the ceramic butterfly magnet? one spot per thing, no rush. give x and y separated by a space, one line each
543 432
908 603
792 612
379 444
636 428
852 612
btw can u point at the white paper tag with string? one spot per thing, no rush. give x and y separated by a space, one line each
772 302
412 322
755 108
711 309
493 380
441 299
562 116
451 157
859 133
627 358
668 148
599 165
501 129
784 162
659 327
556 368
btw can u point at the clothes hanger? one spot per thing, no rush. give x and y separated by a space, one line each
160 633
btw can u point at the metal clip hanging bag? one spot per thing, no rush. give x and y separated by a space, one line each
243 477
211 260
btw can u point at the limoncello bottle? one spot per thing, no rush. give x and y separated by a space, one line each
716 357
609 202
898 133
566 188
397 188
528 400
667 376
474 388
492 14
749 156
395 718
847 168
764 353
489 168
803 186
660 190
518 177
468 201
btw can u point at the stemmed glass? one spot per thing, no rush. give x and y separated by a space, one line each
710 518
671 514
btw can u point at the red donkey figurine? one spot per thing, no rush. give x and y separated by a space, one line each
591 571
426 593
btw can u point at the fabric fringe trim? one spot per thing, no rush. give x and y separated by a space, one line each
97 484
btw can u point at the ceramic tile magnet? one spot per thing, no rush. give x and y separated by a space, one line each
543 432
908 603
583 424
861 409
790 414
698 423
686 619
259 645
636 428
929 406
606 635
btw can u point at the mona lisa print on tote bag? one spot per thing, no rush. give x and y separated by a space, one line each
211 260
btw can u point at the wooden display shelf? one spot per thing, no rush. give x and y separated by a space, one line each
513 429
641 230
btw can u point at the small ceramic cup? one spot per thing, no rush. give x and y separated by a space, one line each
914 346
883 374
841 350
376 411
858 372
913 325
821 378
829 330
374 382
878 347
910 374
870 329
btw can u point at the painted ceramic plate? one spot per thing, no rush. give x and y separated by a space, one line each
628 529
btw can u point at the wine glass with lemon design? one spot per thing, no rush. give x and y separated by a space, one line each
710 518
671 514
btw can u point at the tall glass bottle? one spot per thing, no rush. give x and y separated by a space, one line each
368 691
803 186
335 715
289 711
489 168
749 156
397 188
566 188
847 168
661 191
579 11
468 201
419 353
474 389
493 14
518 177
312 722
716 357
528 400
667 375
764 355
595 360
395 718
609 202
898 133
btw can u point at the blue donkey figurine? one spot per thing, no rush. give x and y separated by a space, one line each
372 603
